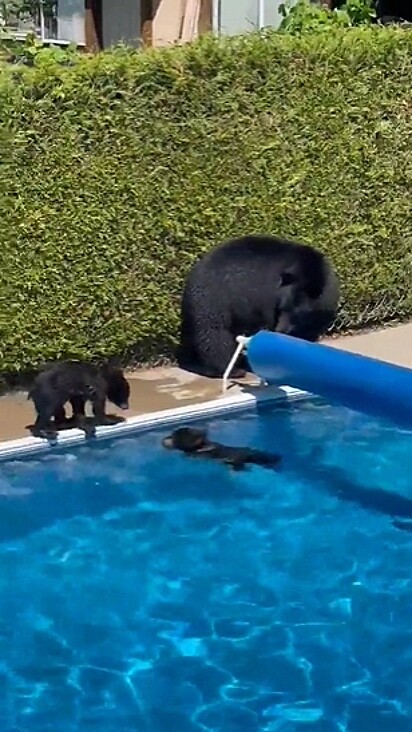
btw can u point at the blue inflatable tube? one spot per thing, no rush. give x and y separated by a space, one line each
363 384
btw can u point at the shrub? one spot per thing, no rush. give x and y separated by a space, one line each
305 16
120 169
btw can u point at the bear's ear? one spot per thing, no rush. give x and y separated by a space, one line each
112 365
287 278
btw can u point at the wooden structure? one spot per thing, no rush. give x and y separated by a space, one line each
191 18
93 25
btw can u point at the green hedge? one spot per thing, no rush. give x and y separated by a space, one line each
120 169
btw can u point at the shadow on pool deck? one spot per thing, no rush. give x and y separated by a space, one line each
170 387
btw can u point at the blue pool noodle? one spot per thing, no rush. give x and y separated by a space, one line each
360 383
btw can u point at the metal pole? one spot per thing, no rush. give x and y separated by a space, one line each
216 16
261 14
42 25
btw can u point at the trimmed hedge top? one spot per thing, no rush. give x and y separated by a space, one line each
120 169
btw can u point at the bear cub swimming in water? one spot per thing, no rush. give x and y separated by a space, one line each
77 383
194 442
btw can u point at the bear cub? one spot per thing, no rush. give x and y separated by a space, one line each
194 442
77 383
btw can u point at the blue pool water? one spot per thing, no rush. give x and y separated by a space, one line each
144 592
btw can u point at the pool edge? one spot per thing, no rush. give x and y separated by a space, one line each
242 401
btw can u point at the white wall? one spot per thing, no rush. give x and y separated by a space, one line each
272 15
121 22
240 16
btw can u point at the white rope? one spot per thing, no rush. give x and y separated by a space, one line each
242 342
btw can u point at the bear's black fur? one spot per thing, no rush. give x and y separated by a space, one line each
394 11
77 383
194 442
387 11
249 284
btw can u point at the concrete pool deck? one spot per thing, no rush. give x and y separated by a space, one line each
161 388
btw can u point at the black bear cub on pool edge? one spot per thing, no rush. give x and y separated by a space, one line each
249 284
194 442
77 383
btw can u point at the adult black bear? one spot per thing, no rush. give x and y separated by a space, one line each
394 11
77 383
387 11
249 284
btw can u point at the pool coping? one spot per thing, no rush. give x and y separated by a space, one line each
243 401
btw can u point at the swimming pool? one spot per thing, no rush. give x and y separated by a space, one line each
144 592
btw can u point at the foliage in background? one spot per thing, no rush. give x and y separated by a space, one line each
120 169
308 17
32 51
12 9
360 11
14 12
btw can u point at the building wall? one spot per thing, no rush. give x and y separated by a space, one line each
71 20
120 22
237 16
240 16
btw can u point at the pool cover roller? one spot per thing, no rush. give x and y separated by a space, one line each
360 383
